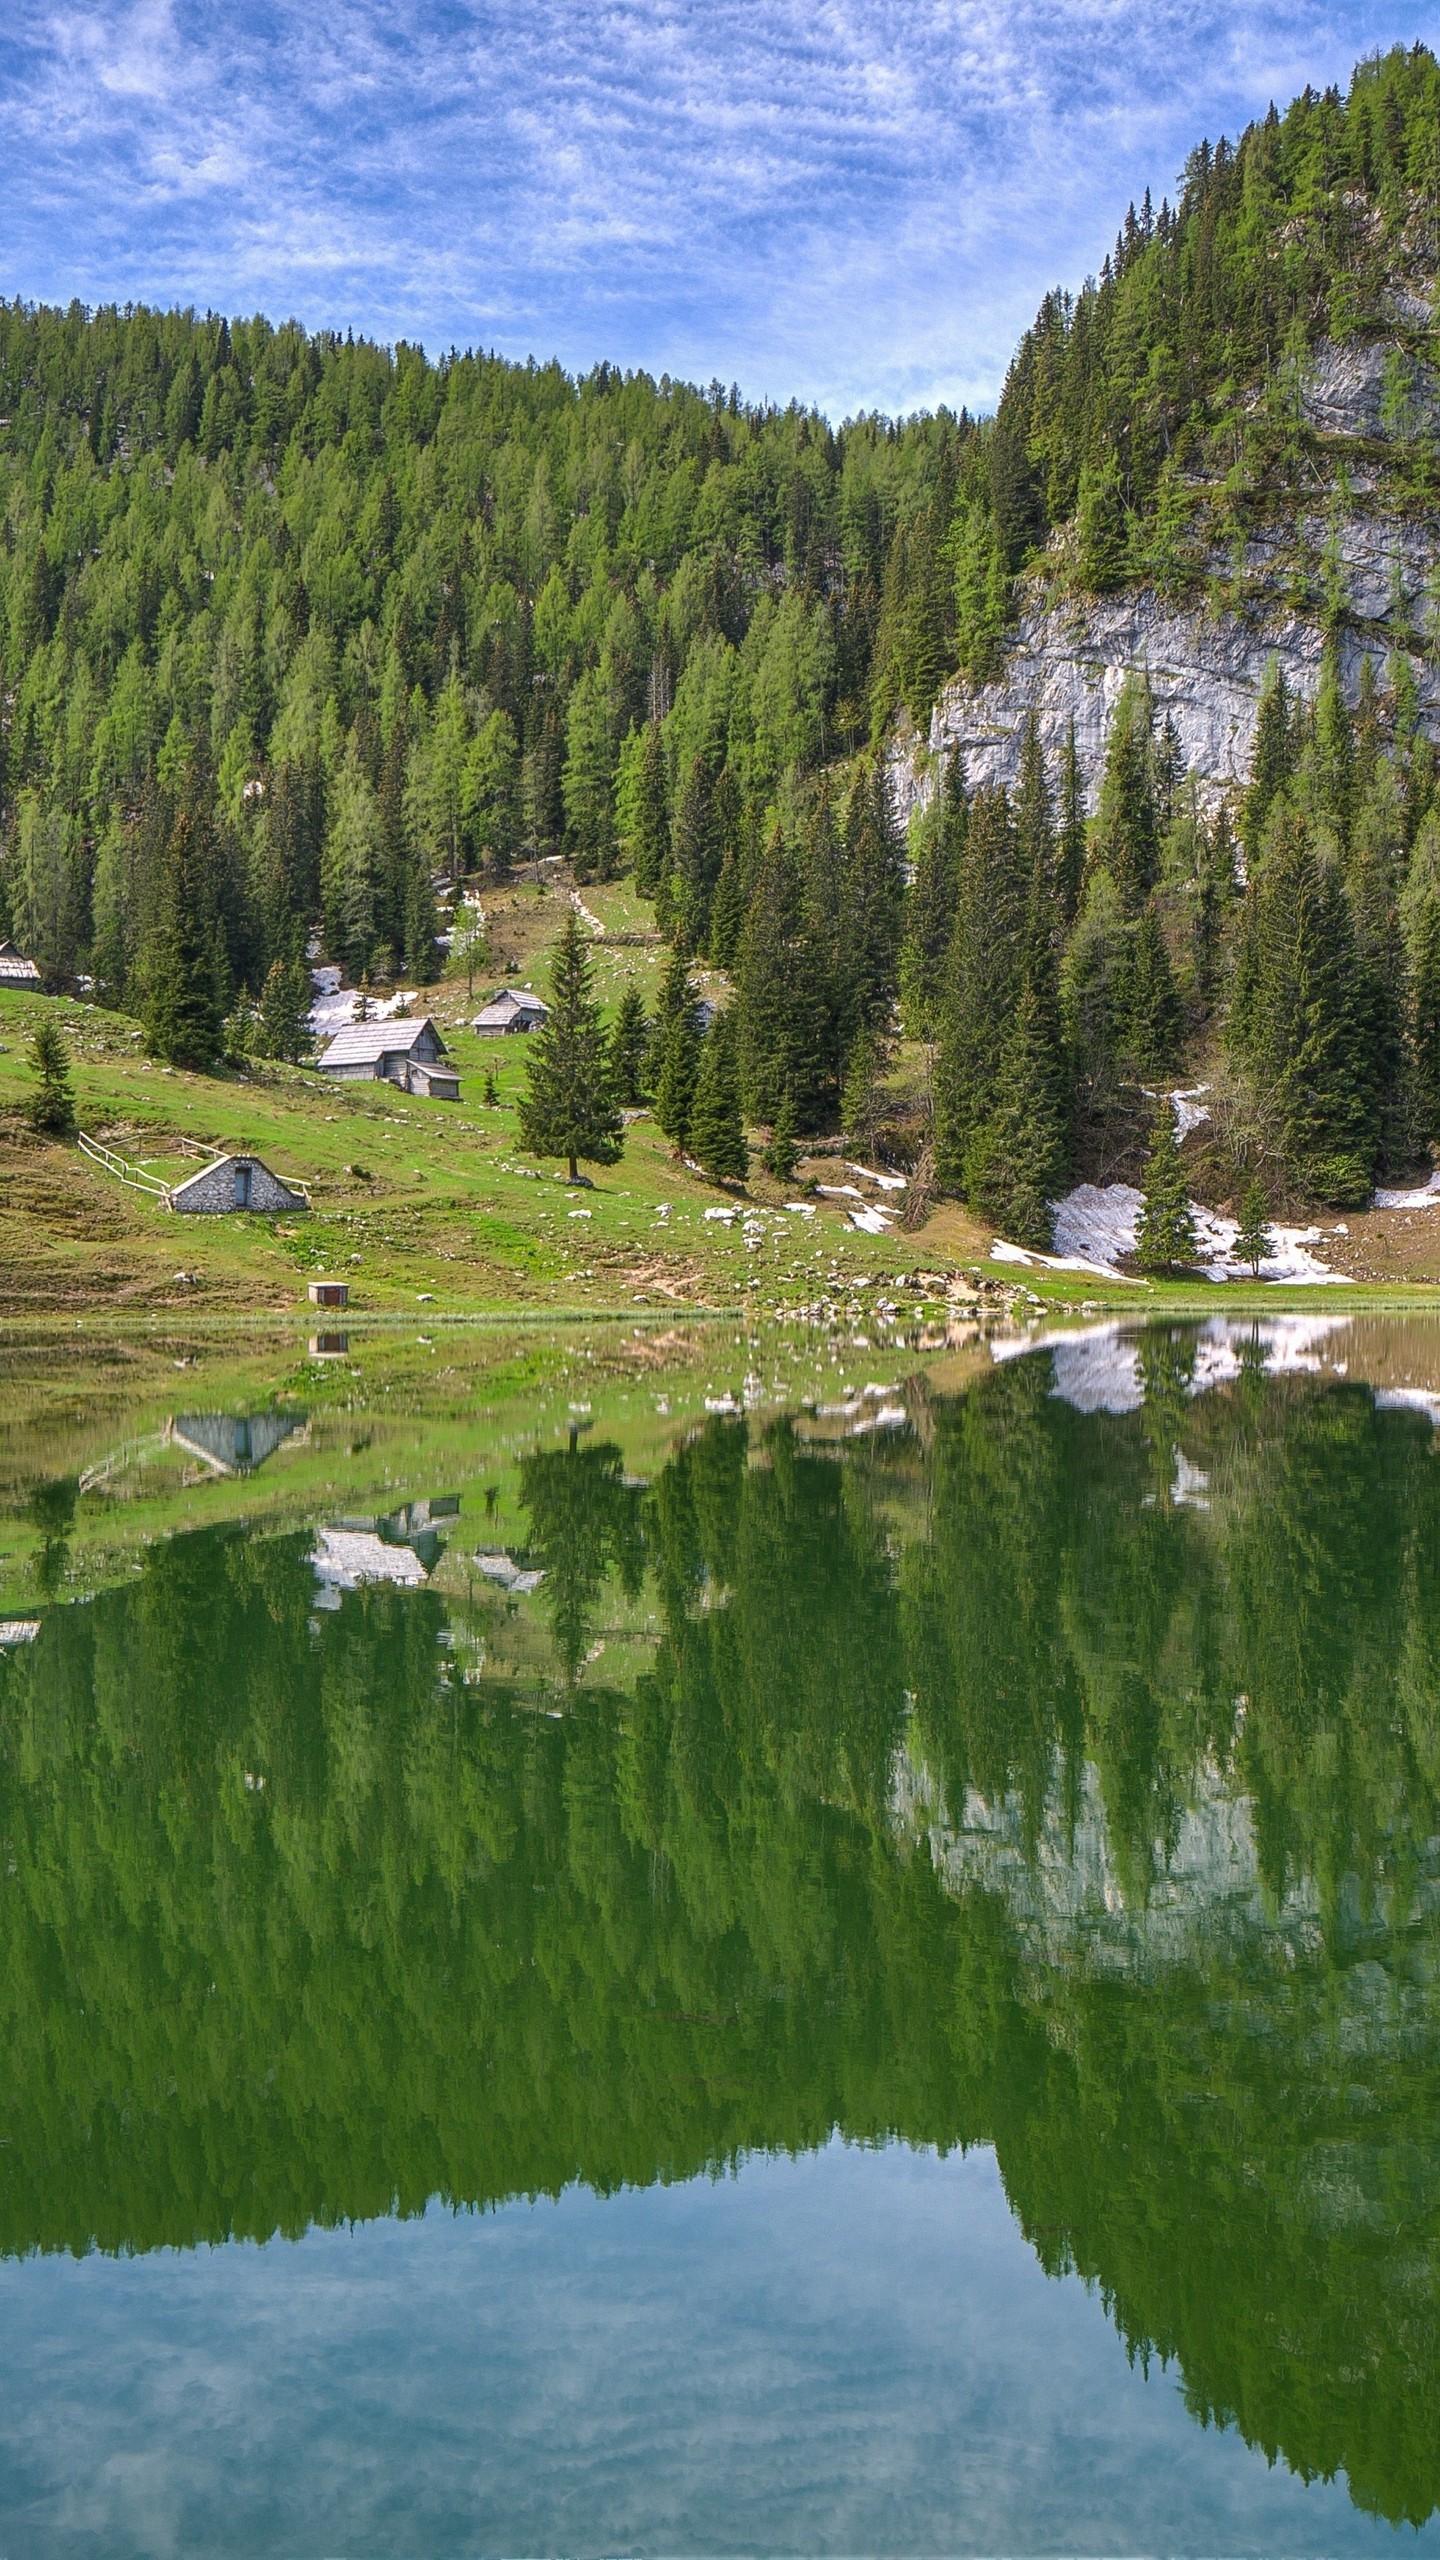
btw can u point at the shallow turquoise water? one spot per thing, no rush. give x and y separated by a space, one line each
874 1990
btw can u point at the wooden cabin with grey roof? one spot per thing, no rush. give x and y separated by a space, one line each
410 1054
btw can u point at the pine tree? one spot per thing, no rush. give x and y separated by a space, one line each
1034 818
1127 828
1272 760
872 907
1166 1237
676 1053
642 806
1298 1014
717 1132
782 1016
185 1011
568 1108
50 1109
1420 910
630 1035
727 913
1333 751
932 901
860 1100
984 974
1253 1239
284 1026
1070 860
1017 1163
1149 1001
693 862
782 1155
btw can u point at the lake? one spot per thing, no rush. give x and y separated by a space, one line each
851 1973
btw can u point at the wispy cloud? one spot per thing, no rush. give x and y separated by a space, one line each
852 201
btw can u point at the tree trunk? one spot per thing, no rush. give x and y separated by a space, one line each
574 1170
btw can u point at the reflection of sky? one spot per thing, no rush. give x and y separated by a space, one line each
859 202
854 2351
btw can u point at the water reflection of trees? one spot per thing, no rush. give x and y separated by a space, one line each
299 1925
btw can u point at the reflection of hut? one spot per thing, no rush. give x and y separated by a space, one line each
402 1549
231 1444
16 971
236 1182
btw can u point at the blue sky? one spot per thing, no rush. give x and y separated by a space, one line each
855 202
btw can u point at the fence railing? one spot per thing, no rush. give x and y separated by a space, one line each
109 1162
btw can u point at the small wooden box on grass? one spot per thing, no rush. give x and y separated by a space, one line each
329 1293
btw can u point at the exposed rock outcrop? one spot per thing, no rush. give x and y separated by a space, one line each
1206 657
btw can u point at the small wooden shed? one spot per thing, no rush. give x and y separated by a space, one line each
329 1293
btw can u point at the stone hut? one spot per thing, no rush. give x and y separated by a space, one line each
236 1182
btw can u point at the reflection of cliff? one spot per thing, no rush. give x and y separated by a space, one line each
302 1924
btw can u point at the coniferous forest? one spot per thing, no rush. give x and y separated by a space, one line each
300 633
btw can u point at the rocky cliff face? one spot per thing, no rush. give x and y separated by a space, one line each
1206 657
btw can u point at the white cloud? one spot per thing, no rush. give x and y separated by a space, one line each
858 202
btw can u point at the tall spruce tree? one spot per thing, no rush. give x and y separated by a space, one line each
185 997
1165 1239
1127 826
717 1131
1272 760
676 1053
1298 1018
984 974
933 898
1070 857
1420 913
630 1037
50 1107
568 1108
783 1021
1017 1162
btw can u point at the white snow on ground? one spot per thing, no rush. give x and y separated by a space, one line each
839 1191
1190 1111
335 1005
1428 1197
1000 1251
1097 1367
887 1181
872 1222
1409 1399
1100 1224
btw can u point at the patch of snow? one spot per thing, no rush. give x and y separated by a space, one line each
801 1208
1001 1251
1409 1400
839 1191
335 1005
1425 1198
871 1222
1101 1223
721 1217
887 1181
1190 1111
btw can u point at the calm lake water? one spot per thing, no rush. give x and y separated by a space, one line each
870 1983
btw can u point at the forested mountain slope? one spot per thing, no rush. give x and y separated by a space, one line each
298 632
